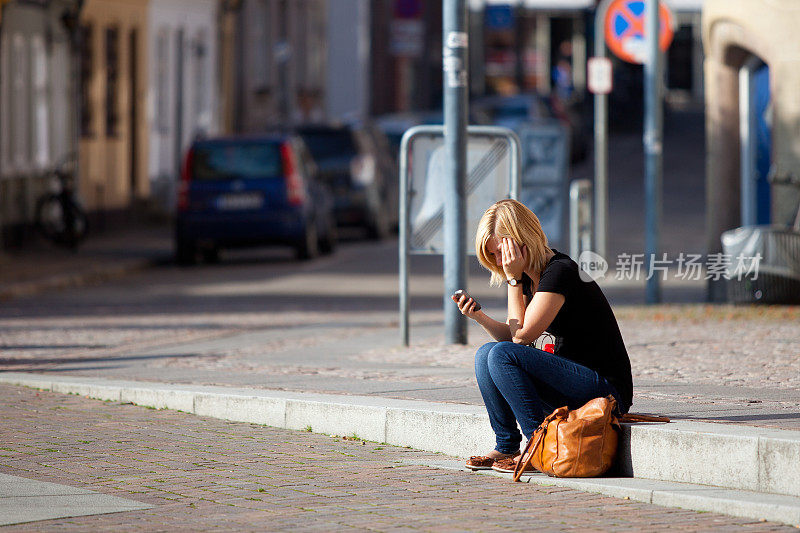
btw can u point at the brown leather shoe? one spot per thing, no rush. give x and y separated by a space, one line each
509 464
479 462
484 462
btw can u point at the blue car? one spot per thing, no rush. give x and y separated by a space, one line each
252 191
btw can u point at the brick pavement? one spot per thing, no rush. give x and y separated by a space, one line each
205 474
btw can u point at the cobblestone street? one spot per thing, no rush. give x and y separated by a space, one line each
204 474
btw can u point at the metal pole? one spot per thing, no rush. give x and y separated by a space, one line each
600 141
580 214
653 133
455 63
574 219
516 166
404 235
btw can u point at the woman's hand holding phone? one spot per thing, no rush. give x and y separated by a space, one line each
466 304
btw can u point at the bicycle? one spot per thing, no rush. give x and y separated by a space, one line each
59 215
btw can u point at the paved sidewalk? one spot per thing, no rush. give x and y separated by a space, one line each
720 364
203 474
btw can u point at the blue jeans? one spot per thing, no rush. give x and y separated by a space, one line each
522 383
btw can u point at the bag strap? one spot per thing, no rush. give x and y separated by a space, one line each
530 448
633 417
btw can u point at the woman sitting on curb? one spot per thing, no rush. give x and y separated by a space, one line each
518 382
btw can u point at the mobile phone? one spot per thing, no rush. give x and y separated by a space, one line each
462 292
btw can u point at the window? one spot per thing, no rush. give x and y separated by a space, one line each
41 116
317 47
310 46
262 49
5 109
237 161
679 59
162 82
87 70
112 82
20 119
202 120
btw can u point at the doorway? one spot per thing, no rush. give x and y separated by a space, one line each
755 134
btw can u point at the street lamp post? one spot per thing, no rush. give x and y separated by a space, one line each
653 134
455 64
600 141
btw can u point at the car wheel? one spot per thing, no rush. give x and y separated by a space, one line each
378 229
185 252
328 243
308 248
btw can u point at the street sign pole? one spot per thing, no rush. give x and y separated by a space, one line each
455 62
653 133
600 142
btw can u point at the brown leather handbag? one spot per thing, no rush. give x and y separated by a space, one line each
578 443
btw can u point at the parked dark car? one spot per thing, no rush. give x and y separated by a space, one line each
251 191
516 111
360 174
394 125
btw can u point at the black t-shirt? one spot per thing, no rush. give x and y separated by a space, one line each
585 328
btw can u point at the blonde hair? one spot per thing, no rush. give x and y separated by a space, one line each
512 219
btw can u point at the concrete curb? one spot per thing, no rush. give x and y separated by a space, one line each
745 504
717 457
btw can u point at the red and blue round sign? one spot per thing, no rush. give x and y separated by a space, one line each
624 26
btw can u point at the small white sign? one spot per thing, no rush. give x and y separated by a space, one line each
457 39
600 75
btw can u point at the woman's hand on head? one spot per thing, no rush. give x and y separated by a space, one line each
514 258
466 306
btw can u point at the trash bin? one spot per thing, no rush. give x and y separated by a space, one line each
777 278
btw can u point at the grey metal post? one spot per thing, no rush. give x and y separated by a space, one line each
600 141
516 165
653 133
455 63
405 222
580 217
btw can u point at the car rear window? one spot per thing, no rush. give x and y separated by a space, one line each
237 161
327 145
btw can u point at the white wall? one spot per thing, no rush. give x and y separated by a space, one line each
198 20
347 87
